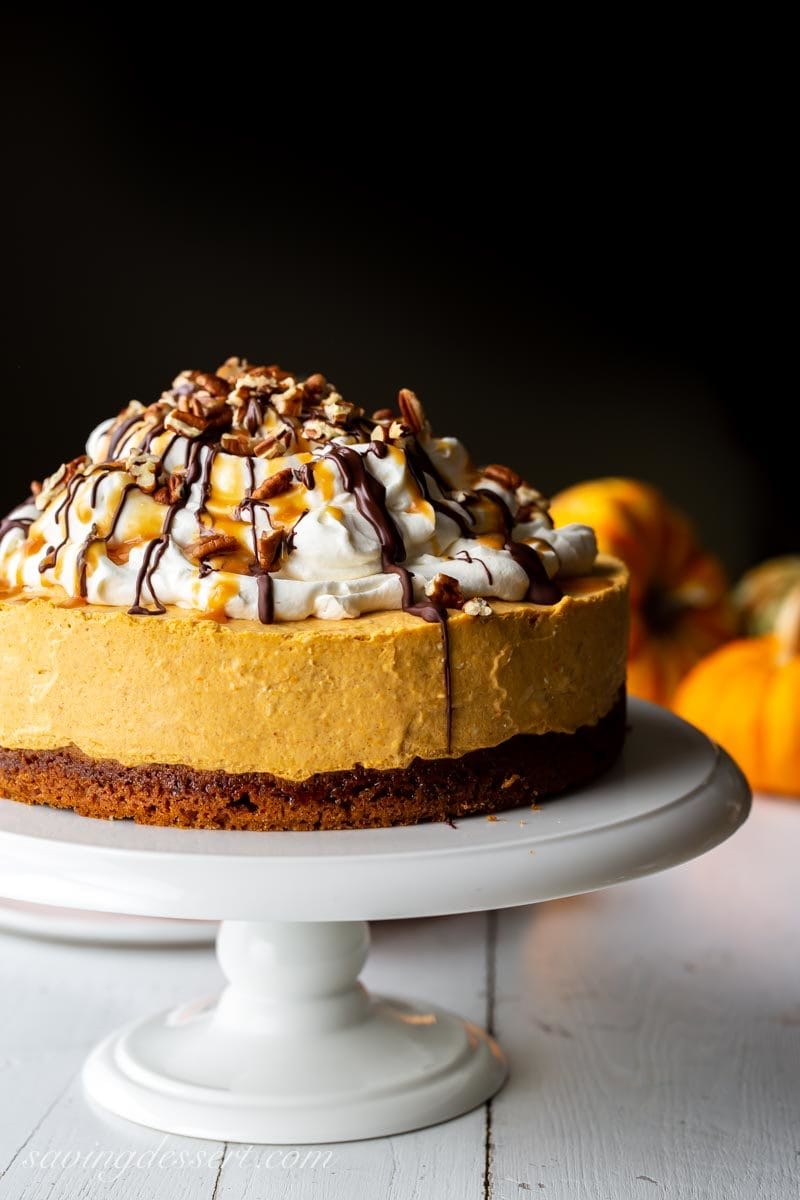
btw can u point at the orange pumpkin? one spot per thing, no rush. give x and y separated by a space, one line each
679 604
747 697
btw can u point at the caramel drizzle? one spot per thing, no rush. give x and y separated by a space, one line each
370 498
541 588
117 433
157 548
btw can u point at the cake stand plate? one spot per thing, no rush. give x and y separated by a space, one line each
100 929
295 1050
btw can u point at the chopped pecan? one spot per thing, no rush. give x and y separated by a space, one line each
383 415
172 491
378 434
399 429
338 411
317 387
176 484
318 430
271 549
529 499
289 402
411 411
211 543
478 607
192 425
143 468
201 381
275 444
232 368
274 485
237 443
506 478
444 590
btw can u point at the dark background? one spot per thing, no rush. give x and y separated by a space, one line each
576 281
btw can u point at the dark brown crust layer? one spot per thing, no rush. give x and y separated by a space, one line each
522 770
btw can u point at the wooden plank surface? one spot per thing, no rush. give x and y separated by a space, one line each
653 1029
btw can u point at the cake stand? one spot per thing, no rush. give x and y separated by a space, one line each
295 1050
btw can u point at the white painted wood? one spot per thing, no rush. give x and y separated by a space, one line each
90 991
654 1031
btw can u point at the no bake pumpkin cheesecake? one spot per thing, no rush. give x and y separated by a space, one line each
351 624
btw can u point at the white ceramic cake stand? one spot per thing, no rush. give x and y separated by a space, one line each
295 1050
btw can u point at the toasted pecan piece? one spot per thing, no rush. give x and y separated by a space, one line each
411 411
275 485
444 590
505 476
211 543
271 550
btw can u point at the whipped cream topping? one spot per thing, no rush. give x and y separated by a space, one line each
251 494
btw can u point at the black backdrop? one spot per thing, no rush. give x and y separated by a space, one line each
576 284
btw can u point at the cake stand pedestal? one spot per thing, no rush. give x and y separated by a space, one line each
295 1050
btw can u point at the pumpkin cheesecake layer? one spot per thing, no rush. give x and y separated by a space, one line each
311 697
522 770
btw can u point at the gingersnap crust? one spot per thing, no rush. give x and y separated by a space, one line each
522 770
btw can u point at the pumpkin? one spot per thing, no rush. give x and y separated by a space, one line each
747 697
759 594
680 610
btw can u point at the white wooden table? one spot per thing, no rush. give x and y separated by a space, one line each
653 1031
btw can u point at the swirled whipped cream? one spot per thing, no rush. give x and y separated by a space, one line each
249 493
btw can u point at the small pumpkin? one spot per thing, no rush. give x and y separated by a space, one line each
759 594
680 610
747 697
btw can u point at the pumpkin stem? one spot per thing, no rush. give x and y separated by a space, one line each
787 624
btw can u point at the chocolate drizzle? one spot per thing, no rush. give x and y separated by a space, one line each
264 588
541 588
156 549
118 433
465 556
370 498
91 538
9 523
205 402
266 601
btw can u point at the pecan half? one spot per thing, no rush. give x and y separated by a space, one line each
445 591
271 550
411 411
507 478
211 543
275 485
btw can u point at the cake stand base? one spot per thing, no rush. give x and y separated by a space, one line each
294 1050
